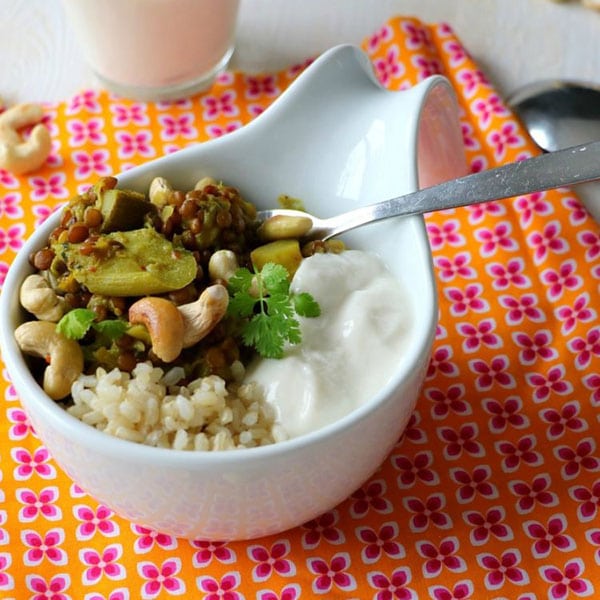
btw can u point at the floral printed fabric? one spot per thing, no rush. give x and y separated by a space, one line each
494 489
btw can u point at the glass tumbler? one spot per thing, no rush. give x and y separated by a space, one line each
155 49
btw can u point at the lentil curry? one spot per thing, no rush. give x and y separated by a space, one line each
115 249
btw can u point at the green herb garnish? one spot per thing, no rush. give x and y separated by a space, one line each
265 301
77 322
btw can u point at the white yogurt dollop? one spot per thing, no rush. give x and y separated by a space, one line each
348 353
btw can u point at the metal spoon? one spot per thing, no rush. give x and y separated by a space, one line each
555 169
558 114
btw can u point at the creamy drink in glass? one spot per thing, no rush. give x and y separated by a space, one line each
155 49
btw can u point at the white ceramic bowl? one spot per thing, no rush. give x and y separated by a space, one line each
337 140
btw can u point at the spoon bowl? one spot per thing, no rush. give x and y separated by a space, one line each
558 114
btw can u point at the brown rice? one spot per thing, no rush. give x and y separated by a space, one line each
147 407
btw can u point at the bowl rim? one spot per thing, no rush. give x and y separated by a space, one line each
114 447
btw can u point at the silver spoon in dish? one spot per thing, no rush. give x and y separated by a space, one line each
552 170
558 114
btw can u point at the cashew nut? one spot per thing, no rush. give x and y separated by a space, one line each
281 227
201 316
19 155
222 265
164 324
159 192
202 183
40 299
64 356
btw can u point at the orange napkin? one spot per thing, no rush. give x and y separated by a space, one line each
494 489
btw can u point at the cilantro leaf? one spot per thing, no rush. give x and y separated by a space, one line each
263 301
275 278
306 305
241 304
240 281
76 323
113 329
262 333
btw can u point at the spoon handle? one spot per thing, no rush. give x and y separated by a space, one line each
552 170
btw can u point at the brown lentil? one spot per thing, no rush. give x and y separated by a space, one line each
126 361
77 233
42 259
92 217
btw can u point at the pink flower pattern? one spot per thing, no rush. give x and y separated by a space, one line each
331 575
449 269
389 68
585 348
428 511
550 536
29 464
580 312
380 543
479 335
561 279
48 590
10 206
547 241
567 579
521 308
174 127
44 547
588 499
443 555
271 560
505 414
563 420
161 577
520 453
91 163
508 275
42 504
577 459
370 496
86 131
463 440
148 538
98 520
322 528
207 550
506 136
394 586
220 589
488 525
473 484
496 239
532 205
529 494
467 300
545 385
21 427
134 114
102 564
452 400
415 470
503 569
446 234
462 590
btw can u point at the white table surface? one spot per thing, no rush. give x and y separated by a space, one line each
514 41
